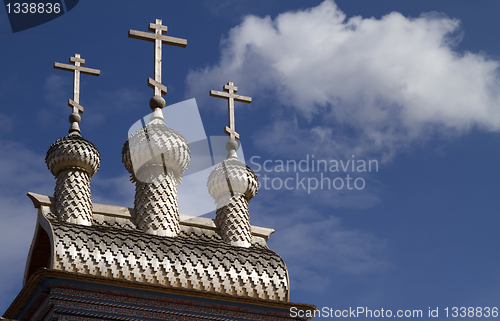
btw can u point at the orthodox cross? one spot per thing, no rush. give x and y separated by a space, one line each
77 68
158 39
231 97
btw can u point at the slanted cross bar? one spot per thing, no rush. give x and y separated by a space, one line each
231 97
158 38
76 68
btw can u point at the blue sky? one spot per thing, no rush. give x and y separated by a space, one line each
413 85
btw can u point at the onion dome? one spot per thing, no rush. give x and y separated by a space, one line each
73 152
156 144
232 184
232 177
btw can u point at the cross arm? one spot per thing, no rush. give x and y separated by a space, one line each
142 35
158 26
220 94
77 59
58 65
90 71
83 70
73 104
154 84
230 132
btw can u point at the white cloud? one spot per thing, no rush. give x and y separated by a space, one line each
21 171
57 88
360 85
57 91
316 247
118 190
194 187
5 123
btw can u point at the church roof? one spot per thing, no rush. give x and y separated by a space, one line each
153 245
196 259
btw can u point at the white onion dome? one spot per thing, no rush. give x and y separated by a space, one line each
73 151
156 145
232 176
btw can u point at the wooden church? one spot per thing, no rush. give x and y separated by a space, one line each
92 261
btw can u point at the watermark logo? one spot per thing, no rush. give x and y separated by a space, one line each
28 14
308 174
206 152
311 174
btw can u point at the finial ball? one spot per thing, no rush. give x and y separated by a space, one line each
157 102
74 118
231 144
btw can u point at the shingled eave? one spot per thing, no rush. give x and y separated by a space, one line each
36 252
121 212
196 259
31 286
